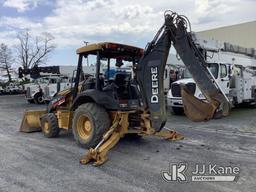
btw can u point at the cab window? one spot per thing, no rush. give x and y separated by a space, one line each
43 80
223 71
52 81
186 74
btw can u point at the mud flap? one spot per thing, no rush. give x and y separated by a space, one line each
31 121
195 109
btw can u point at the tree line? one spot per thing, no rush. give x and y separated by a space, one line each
31 51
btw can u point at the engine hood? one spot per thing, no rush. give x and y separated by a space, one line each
185 81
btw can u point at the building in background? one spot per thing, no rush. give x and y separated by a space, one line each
243 34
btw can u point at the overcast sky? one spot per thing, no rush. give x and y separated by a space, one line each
128 21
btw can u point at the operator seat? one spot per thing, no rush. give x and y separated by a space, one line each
89 83
121 80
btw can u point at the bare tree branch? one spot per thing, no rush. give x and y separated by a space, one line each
34 51
6 60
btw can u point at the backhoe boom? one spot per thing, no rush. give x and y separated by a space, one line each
152 65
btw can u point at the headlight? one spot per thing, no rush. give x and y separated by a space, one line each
169 94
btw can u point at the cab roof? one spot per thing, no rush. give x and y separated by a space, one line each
111 50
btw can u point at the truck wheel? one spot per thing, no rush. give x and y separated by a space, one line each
178 110
38 98
49 124
31 101
90 122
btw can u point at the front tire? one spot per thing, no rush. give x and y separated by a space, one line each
178 110
39 98
90 122
49 124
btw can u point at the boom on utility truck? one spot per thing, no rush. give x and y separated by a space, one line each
233 68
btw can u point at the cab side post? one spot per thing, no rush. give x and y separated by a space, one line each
98 71
78 72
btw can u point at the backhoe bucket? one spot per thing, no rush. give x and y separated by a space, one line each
195 109
31 121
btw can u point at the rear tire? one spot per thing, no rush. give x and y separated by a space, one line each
178 110
49 124
90 122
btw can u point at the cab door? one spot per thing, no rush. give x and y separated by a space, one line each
224 78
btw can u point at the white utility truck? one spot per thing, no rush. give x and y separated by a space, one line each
65 81
34 90
233 67
48 80
13 88
53 88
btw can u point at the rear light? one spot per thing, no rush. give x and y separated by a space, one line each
123 103
111 46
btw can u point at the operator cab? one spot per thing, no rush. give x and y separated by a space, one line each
114 91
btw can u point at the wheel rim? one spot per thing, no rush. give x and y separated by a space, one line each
46 127
40 100
84 127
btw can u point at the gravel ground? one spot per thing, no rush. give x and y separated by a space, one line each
31 162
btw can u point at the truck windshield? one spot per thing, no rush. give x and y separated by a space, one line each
213 67
186 74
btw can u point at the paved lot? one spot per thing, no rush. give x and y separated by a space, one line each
31 162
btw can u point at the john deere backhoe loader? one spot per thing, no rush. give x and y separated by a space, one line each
101 111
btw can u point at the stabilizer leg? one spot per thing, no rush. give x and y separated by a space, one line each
100 155
169 135
110 139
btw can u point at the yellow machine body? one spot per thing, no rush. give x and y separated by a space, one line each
119 120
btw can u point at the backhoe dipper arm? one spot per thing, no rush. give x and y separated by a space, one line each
197 66
151 67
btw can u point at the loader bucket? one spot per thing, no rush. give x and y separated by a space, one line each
31 121
195 109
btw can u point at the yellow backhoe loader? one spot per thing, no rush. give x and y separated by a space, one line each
100 111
